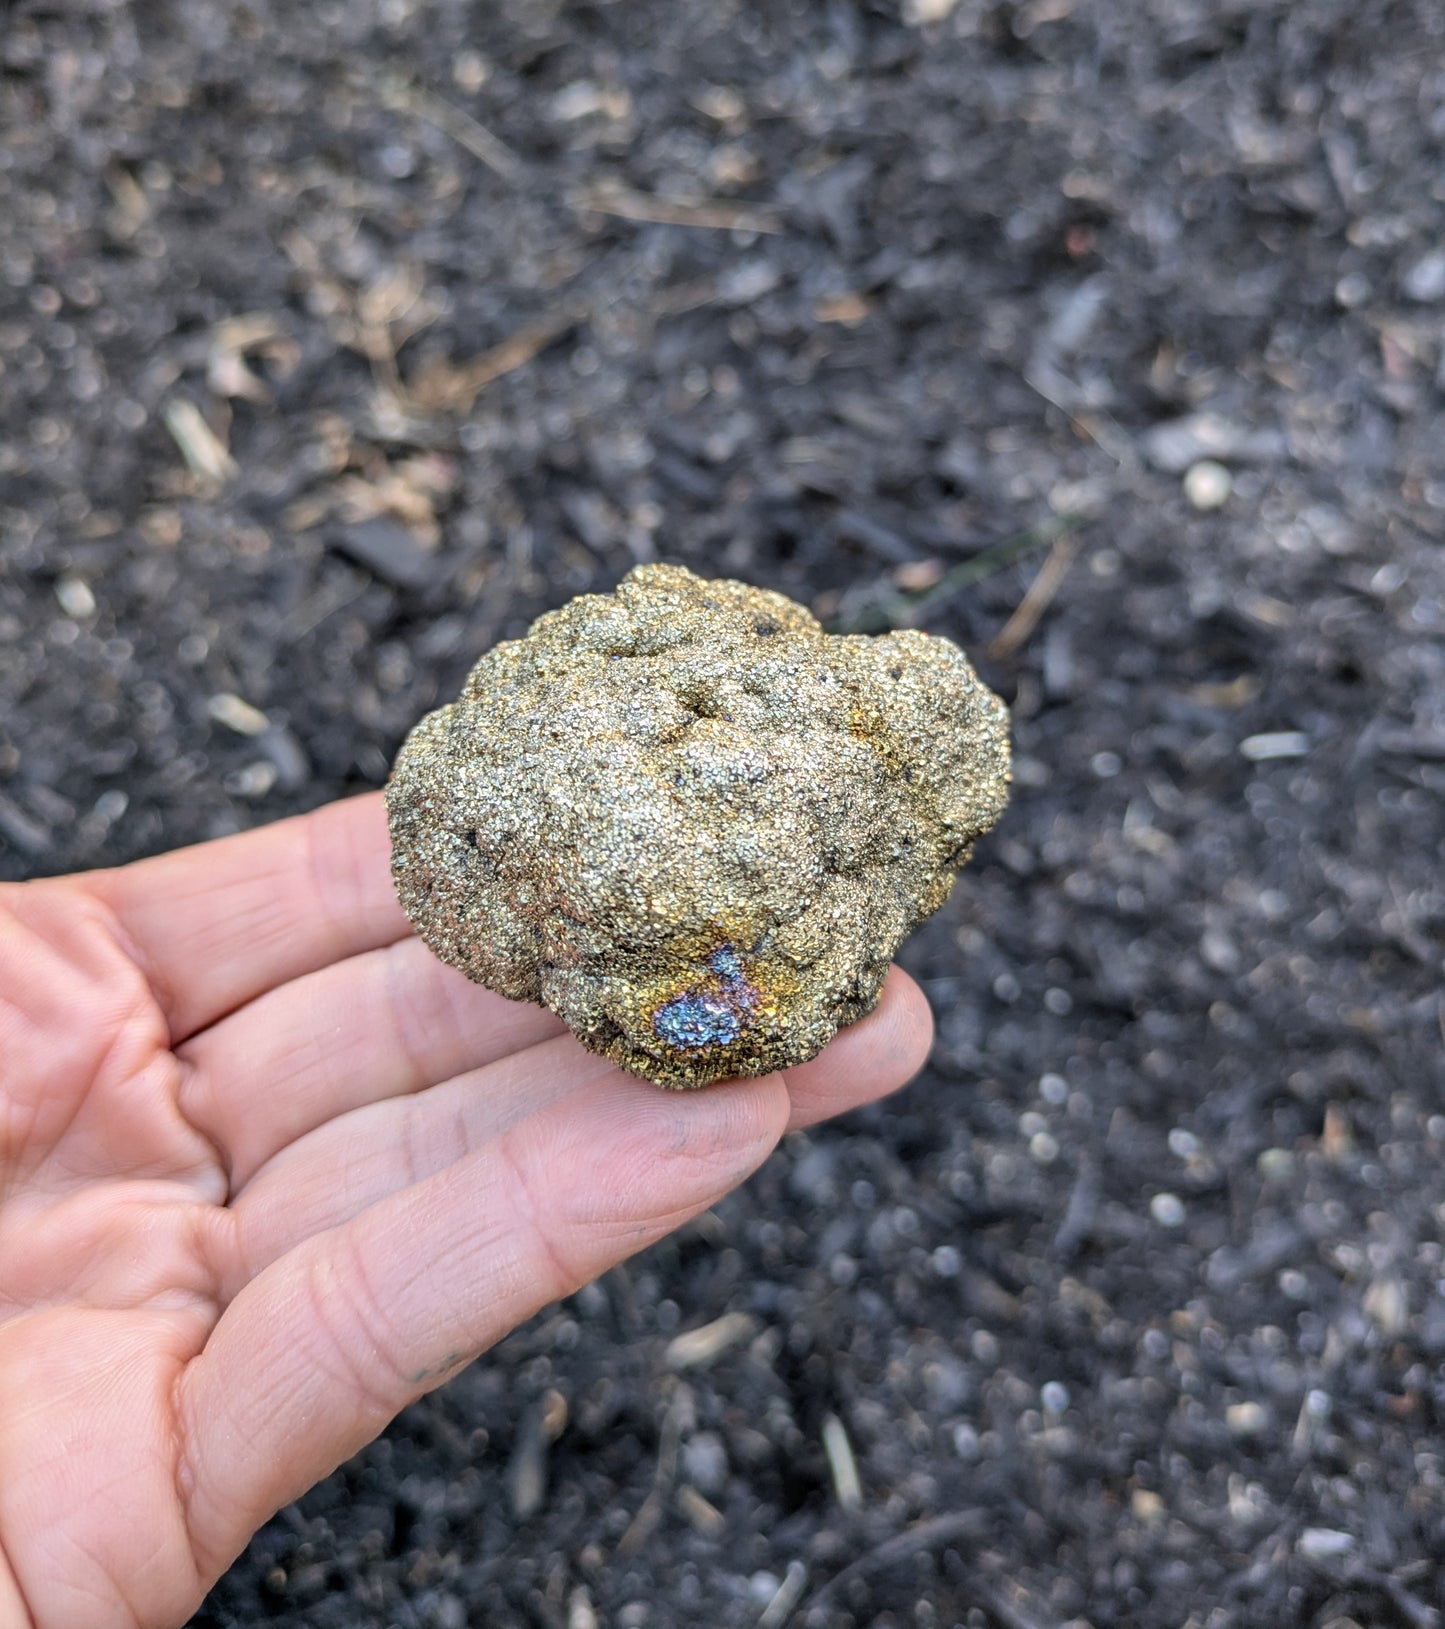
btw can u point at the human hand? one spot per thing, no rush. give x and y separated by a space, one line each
269 1172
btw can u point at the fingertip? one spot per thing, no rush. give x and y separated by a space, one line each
732 1124
909 1011
635 1155
867 1061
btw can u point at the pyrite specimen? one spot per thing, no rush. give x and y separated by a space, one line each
691 822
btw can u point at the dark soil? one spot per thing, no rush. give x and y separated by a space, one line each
1131 1306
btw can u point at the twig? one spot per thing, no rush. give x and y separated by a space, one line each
456 388
712 215
1037 598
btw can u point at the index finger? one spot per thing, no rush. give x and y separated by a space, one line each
217 925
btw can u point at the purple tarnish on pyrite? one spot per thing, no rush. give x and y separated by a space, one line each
692 822
712 1014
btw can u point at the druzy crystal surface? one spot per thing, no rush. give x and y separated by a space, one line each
691 822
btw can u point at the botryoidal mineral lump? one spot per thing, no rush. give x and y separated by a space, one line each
691 822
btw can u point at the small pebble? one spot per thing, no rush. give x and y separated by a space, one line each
1275 1164
1245 1419
449 1613
1207 485
1147 1506
1218 951
470 71
1425 280
254 781
1385 1304
75 597
1275 744
705 1462
1167 1209
293 768
1322 1543
762 1586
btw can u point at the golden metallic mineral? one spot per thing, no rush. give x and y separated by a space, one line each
692 823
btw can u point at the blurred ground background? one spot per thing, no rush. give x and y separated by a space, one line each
339 340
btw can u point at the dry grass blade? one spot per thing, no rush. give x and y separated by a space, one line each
887 607
842 1466
1037 599
442 386
650 1511
468 133
709 214
776 1612
924 1536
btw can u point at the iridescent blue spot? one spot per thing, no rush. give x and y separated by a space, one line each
696 1020
711 1014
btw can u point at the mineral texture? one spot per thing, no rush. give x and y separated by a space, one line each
691 822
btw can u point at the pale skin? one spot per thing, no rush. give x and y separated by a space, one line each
269 1172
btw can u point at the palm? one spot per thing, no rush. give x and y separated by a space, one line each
268 1171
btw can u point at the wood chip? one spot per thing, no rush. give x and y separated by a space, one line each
204 452
702 1515
847 309
698 1348
236 714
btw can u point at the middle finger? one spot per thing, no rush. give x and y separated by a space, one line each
383 1024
